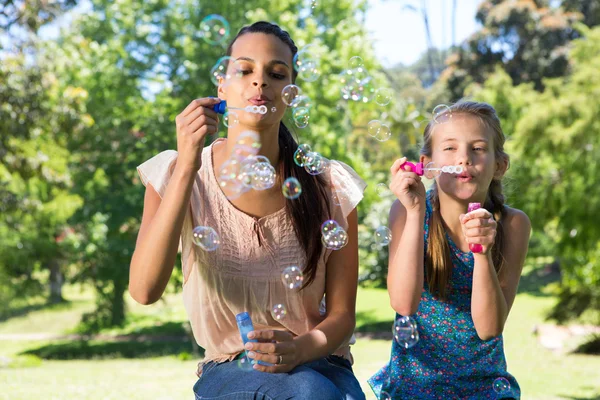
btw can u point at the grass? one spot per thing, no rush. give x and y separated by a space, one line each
134 370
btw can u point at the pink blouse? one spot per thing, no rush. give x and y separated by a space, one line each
244 272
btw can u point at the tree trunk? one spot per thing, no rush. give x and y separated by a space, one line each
56 282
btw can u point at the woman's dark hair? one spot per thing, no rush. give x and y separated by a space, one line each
312 208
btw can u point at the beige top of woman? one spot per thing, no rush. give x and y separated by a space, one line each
244 272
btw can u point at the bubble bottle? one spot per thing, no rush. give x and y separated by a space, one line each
245 326
474 247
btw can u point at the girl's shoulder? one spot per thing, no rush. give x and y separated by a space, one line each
515 219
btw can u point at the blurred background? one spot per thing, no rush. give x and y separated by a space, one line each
90 89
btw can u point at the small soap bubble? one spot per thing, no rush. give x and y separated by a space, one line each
378 130
290 93
263 176
501 385
329 226
219 70
335 240
273 109
383 96
316 164
206 238
308 55
291 188
383 236
230 119
301 153
292 277
301 116
405 332
356 62
309 71
214 29
441 113
278 312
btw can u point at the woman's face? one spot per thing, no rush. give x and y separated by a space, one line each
262 67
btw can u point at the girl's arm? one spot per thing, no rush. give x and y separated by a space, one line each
340 288
493 294
405 268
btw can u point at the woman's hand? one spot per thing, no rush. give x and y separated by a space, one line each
479 227
407 186
275 347
193 124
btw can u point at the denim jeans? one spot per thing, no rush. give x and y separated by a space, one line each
328 378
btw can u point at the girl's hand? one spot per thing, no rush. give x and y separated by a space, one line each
407 186
479 227
275 347
193 124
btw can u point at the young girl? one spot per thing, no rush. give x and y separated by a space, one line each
459 299
261 233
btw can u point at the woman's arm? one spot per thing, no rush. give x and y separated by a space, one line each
493 294
158 239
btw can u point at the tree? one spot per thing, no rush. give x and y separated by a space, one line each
528 39
554 137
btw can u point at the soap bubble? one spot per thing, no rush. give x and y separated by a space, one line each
378 130
301 153
292 277
383 96
335 240
291 188
309 71
316 164
405 331
501 385
290 93
441 113
383 236
278 312
230 119
356 62
214 29
206 238
329 226
263 176
219 70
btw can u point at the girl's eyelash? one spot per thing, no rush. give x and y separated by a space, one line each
246 72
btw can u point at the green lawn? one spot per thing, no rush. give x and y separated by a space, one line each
542 374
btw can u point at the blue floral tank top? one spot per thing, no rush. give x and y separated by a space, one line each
449 361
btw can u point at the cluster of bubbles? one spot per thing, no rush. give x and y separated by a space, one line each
379 130
333 236
313 162
245 170
405 332
307 63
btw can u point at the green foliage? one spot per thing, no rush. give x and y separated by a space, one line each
554 137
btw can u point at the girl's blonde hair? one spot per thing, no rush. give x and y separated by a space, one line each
438 262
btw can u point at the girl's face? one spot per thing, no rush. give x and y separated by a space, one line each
464 140
262 68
